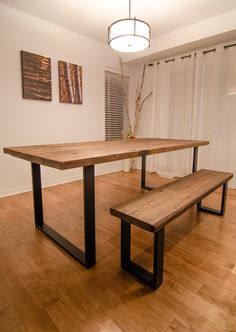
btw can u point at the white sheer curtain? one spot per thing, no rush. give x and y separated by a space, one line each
195 97
172 101
215 110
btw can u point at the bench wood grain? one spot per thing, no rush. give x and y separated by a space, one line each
154 209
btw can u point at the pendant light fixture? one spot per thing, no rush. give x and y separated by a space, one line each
129 34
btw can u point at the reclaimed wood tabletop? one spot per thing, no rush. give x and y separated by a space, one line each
71 155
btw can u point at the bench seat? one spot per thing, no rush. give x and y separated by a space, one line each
153 210
156 208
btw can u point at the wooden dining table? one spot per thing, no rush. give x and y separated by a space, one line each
87 155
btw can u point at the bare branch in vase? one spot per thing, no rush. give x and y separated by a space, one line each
139 102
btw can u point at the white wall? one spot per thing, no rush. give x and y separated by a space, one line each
26 122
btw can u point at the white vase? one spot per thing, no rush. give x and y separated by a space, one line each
126 165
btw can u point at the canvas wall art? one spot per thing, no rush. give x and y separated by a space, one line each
70 83
36 76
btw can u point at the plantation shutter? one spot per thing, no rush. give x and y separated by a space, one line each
114 105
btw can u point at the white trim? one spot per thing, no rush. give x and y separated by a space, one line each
14 191
50 183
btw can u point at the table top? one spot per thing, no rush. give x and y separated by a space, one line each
71 155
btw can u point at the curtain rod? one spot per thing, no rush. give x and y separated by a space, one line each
189 55
209 51
228 46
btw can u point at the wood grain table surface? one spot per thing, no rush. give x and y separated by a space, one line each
71 155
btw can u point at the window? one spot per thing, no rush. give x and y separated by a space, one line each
114 105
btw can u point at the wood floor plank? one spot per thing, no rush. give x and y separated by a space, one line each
33 316
10 319
215 315
186 315
176 326
218 298
100 321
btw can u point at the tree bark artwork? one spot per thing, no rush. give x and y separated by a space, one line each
70 83
36 76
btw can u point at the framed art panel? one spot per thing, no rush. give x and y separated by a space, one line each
70 83
36 76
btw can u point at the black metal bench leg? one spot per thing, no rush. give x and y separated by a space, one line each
195 157
220 212
88 256
143 174
158 258
125 243
200 207
154 280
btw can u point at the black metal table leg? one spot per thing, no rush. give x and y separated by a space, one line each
143 174
89 216
37 195
194 168
87 257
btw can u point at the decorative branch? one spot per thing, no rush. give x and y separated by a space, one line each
145 100
136 123
139 102
125 98
142 81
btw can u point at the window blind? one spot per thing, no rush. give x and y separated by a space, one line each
114 105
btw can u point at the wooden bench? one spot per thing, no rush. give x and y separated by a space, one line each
153 210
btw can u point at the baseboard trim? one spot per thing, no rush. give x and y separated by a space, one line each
15 191
104 169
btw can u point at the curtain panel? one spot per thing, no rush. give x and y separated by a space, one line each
195 98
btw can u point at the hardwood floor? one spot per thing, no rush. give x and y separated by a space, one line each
44 289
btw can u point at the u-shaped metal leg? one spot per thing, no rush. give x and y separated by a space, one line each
154 280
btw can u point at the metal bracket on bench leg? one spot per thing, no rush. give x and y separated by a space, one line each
154 279
143 174
220 212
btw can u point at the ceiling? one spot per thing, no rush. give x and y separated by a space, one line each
92 17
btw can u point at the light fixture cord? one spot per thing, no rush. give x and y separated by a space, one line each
129 8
